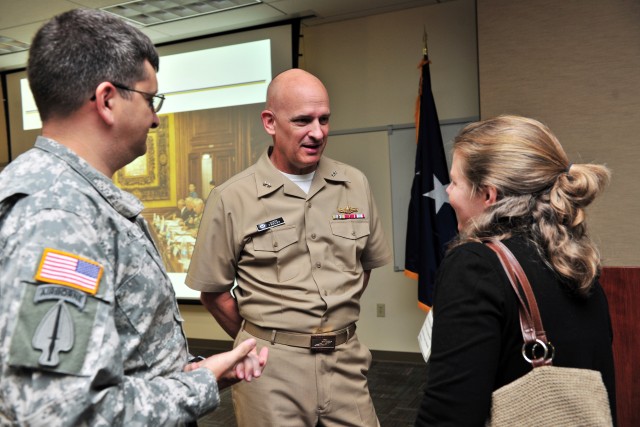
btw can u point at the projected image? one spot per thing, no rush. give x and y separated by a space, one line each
30 117
199 80
242 80
210 129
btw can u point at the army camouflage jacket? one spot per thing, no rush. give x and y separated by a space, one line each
90 331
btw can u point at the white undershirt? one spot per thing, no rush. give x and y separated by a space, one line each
302 181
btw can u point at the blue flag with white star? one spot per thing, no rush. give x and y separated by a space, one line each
432 222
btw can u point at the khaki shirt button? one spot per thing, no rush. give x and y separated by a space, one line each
318 265
309 204
326 293
353 233
275 244
313 236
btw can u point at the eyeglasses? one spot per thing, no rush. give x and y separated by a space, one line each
155 101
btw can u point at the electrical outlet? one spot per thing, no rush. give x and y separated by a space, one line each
380 310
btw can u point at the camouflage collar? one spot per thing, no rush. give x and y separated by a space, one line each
125 203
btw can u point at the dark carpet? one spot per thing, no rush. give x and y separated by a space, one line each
396 389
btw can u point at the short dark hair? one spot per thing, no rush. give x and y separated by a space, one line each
76 51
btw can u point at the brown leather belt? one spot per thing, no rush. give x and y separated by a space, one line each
325 342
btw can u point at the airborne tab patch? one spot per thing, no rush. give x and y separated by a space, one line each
67 269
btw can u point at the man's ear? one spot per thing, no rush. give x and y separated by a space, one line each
269 121
104 102
490 195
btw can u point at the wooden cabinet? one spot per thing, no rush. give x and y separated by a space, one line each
622 286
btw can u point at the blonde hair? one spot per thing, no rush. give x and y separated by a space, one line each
539 193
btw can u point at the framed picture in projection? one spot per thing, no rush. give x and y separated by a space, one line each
148 176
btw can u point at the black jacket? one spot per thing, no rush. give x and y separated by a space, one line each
476 346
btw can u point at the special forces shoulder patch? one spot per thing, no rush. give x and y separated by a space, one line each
57 316
55 333
68 269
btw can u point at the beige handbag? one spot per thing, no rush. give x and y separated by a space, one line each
548 395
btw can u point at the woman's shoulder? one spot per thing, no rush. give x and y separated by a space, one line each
468 252
471 263
519 245
477 261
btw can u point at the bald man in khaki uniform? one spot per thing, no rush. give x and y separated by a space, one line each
300 234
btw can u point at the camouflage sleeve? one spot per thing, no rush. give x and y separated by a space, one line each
65 356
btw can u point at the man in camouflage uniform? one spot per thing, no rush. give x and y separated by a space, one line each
90 332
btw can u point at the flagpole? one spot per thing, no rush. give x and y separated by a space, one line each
425 48
431 222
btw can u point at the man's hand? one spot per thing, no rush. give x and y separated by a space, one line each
242 363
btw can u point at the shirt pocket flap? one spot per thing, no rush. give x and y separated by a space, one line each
275 239
350 229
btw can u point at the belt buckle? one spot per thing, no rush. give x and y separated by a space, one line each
323 343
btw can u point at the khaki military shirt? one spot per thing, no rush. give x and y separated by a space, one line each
298 258
90 332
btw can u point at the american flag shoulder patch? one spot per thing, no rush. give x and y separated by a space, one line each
64 268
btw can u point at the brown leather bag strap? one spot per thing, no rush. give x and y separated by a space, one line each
533 332
526 322
526 287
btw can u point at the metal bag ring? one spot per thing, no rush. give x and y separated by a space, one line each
533 350
552 351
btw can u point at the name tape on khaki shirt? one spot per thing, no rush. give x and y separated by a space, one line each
270 224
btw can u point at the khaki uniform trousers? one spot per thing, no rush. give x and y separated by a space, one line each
299 388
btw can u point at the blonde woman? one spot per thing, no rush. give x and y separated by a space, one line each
511 180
